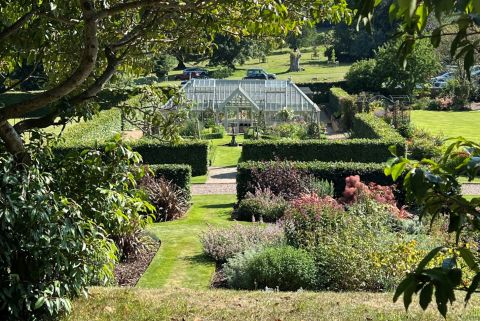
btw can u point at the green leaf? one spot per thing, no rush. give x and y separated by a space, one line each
40 302
426 296
473 287
408 281
436 37
397 170
421 266
469 259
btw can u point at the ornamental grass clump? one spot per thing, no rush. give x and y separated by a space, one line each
170 201
223 243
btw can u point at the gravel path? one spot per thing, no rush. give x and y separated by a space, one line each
220 181
471 189
222 175
214 189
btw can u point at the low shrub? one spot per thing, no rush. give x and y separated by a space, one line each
284 268
261 206
169 200
422 145
422 103
291 130
320 187
214 132
309 218
278 176
222 244
221 73
354 249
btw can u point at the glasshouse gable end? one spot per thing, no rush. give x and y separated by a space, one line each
239 103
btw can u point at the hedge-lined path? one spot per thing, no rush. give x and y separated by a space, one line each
222 175
180 262
214 189
220 180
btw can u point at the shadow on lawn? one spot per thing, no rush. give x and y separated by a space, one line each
199 259
224 206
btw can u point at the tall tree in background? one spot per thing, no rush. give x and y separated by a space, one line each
353 45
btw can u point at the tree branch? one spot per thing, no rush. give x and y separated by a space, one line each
10 30
160 4
84 69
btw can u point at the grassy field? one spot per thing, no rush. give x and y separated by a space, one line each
180 261
315 69
449 123
194 305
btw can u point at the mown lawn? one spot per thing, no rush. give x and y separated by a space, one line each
180 261
226 156
449 123
202 305
315 70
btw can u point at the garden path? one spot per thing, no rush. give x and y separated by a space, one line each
471 189
220 180
180 262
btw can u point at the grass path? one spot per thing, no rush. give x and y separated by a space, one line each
180 261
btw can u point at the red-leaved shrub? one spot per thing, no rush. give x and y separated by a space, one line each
355 189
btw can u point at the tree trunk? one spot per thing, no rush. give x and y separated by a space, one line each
295 61
13 141
181 65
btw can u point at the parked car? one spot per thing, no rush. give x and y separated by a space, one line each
190 73
259 74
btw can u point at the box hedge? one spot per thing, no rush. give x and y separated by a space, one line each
339 101
180 175
374 137
335 172
193 153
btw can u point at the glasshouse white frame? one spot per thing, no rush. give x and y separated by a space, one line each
243 99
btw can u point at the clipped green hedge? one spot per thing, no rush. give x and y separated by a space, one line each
370 126
213 136
340 102
180 175
193 153
335 172
374 137
352 150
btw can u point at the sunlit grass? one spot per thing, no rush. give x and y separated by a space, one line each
449 123
180 261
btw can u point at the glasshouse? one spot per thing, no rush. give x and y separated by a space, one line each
244 103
